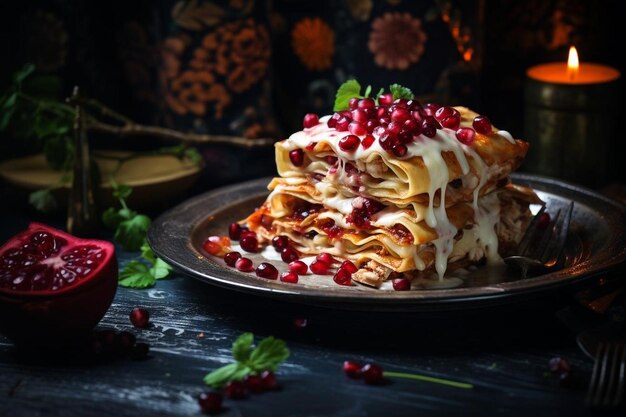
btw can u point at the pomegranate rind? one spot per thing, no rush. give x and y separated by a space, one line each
107 270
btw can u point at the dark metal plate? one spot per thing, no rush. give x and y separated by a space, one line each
597 243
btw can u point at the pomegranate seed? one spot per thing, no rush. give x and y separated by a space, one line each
401 284
405 136
385 99
412 126
332 122
430 109
326 257
544 221
372 374
289 255
210 402
126 341
348 266
215 245
367 141
429 129
384 121
394 128
331 160
319 267
140 317
254 383
280 242
381 112
298 267
399 150
231 257
444 112
234 231
366 103
349 143
358 116
387 142
417 116
235 390
400 115
559 365
249 243
466 135
380 131
268 379
343 277
352 369
451 122
413 105
342 124
300 323
482 125
370 125
139 351
289 276
353 102
310 120
244 265
357 129
311 146
267 271
297 157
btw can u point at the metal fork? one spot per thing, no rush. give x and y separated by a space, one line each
540 250
606 389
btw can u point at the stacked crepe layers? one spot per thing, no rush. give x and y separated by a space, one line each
443 204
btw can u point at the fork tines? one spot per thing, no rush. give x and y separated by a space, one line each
606 388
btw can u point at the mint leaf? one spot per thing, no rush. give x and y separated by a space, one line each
136 275
43 200
132 232
147 253
399 91
242 347
160 269
221 376
268 354
346 91
111 218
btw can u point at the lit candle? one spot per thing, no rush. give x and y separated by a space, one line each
570 118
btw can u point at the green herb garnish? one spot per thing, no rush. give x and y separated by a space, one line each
266 356
352 88
144 273
399 91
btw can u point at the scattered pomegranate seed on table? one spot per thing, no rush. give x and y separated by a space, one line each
401 284
139 317
289 277
234 231
544 221
244 265
348 266
289 255
235 390
298 267
268 379
343 277
319 267
210 402
254 383
352 369
249 243
372 374
231 257
300 323
267 271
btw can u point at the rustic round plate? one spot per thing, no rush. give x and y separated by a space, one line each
597 243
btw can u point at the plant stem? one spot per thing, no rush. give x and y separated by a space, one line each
425 378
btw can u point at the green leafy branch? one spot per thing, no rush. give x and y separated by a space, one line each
352 88
249 360
143 273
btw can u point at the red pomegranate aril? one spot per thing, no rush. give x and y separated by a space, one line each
249 243
244 265
326 257
332 122
429 129
349 143
401 284
139 351
412 126
367 141
451 122
331 160
443 112
310 120
387 142
372 374
482 125
413 105
126 341
235 390
429 109
559 365
280 242
370 125
289 255
234 231
405 136
399 150
544 221
343 277
384 121
267 271
289 277
401 103
254 383
348 266
357 129
400 115
311 146
231 257
353 103
352 369
342 124
210 402
366 103
139 317
380 131
298 267
417 116
359 116
394 128
381 112
268 379
215 245
466 135
385 99
297 157
319 267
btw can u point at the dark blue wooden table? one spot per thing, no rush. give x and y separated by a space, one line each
504 353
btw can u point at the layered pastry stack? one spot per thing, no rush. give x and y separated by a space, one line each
398 188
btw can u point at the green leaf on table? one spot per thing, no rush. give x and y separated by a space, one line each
399 91
346 91
230 372
132 232
111 218
136 275
268 354
147 253
242 347
43 200
160 269
121 191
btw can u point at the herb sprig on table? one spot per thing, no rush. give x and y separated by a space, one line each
268 354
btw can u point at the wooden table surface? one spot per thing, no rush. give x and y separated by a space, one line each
503 352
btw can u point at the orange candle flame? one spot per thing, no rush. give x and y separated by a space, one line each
572 64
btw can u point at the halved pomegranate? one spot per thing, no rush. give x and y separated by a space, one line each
54 283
